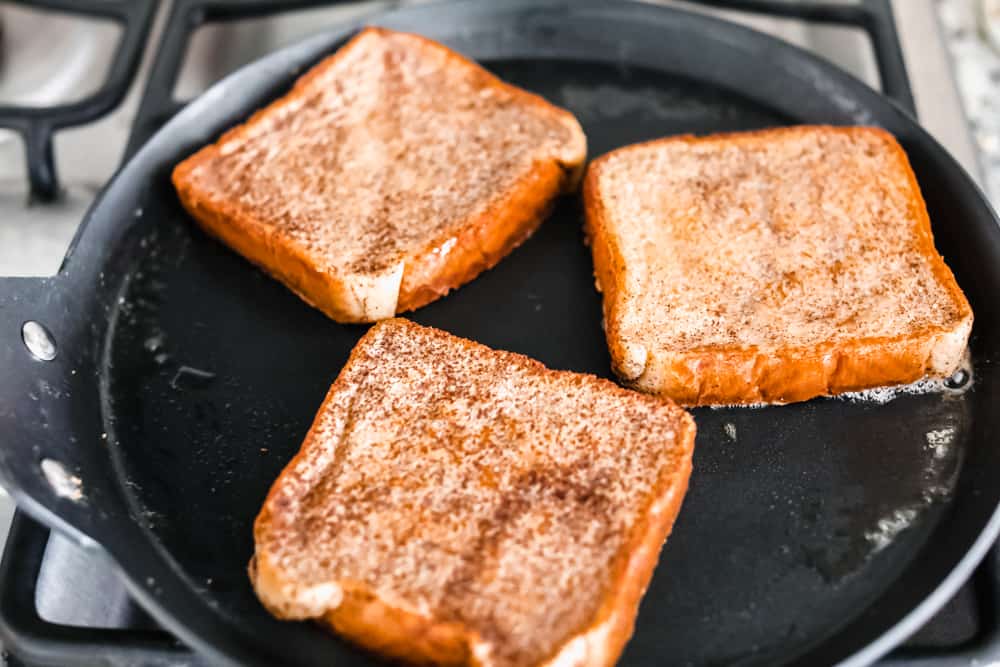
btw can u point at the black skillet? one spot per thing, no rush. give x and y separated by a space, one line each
184 379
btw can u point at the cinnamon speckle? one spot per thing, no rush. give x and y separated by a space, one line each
473 484
380 150
806 238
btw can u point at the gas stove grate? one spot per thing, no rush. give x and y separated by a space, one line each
36 125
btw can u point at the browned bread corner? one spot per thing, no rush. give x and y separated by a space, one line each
458 505
394 171
770 266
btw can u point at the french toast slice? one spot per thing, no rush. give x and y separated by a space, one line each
454 504
393 171
770 266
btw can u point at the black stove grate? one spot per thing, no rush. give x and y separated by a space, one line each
965 632
158 104
36 125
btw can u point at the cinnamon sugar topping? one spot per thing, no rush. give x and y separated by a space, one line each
472 486
379 151
789 237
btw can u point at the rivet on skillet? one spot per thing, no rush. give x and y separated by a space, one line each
64 484
38 340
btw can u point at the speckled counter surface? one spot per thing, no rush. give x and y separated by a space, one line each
972 31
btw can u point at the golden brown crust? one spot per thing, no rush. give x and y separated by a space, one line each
731 374
636 563
370 621
484 241
445 262
608 260
396 628
284 261
362 616
396 633
734 376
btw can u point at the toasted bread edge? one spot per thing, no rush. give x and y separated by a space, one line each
505 224
482 243
600 644
509 220
724 375
356 613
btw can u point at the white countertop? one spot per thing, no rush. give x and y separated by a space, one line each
971 29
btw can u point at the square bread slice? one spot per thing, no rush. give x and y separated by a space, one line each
459 505
393 171
770 266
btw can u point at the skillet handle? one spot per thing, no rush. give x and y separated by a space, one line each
24 300
37 641
36 345
43 362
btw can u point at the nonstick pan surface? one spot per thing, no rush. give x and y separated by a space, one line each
184 379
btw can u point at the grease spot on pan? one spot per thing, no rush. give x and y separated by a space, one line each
939 441
730 429
888 527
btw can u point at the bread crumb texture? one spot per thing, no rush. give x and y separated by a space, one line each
474 487
787 237
384 147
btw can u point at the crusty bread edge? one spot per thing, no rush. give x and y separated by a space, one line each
602 641
289 263
504 225
444 264
407 634
353 610
511 218
732 374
